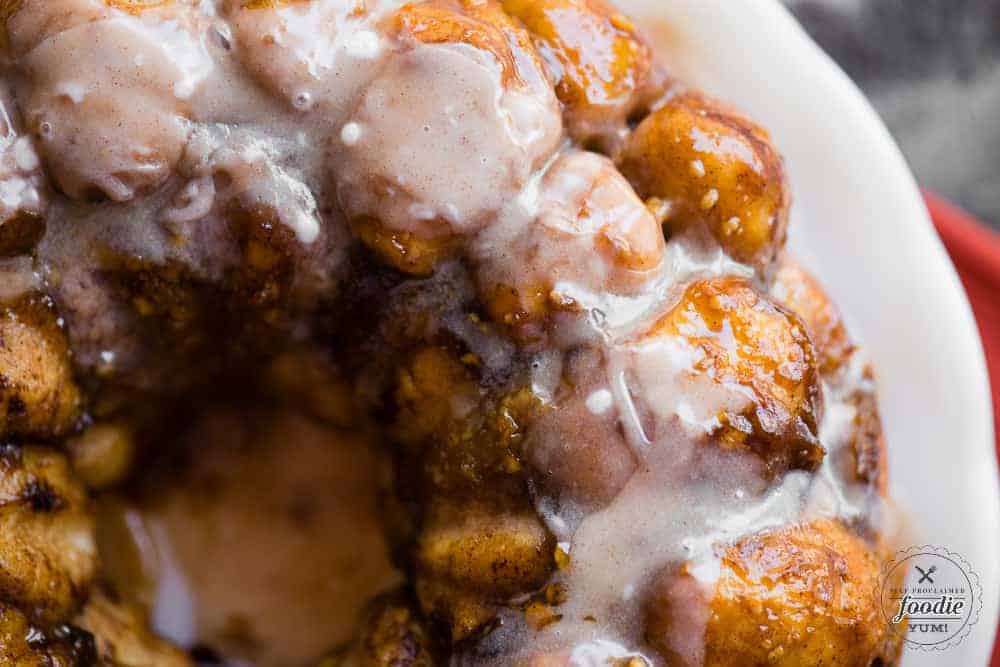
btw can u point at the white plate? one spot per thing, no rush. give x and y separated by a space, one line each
861 223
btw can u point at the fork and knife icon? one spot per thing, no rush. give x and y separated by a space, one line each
925 575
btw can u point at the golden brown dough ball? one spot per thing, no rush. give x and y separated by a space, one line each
38 396
588 236
476 541
312 55
392 634
20 232
278 272
576 444
471 560
799 290
602 66
580 455
746 340
432 389
24 645
103 454
48 554
716 173
869 458
405 251
802 293
566 658
450 130
499 554
464 440
25 200
136 6
800 595
122 638
27 23
151 315
482 25
138 97
162 327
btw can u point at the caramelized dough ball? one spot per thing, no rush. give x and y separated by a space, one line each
27 23
797 289
24 645
116 131
480 24
463 440
313 55
589 237
280 272
716 172
601 64
245 226
472 560
102 455
136 6
477 541
141 324
452 128
869 463
48 555
20 232
483 25
613 657
473 455
38 397
24 202
122 638
799 595
405 251
580 455
744 340
498 554
392 635
433 389
576 444
801 293
163 327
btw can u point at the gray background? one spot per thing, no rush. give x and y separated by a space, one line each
932 68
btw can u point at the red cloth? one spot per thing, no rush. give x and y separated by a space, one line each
976 252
